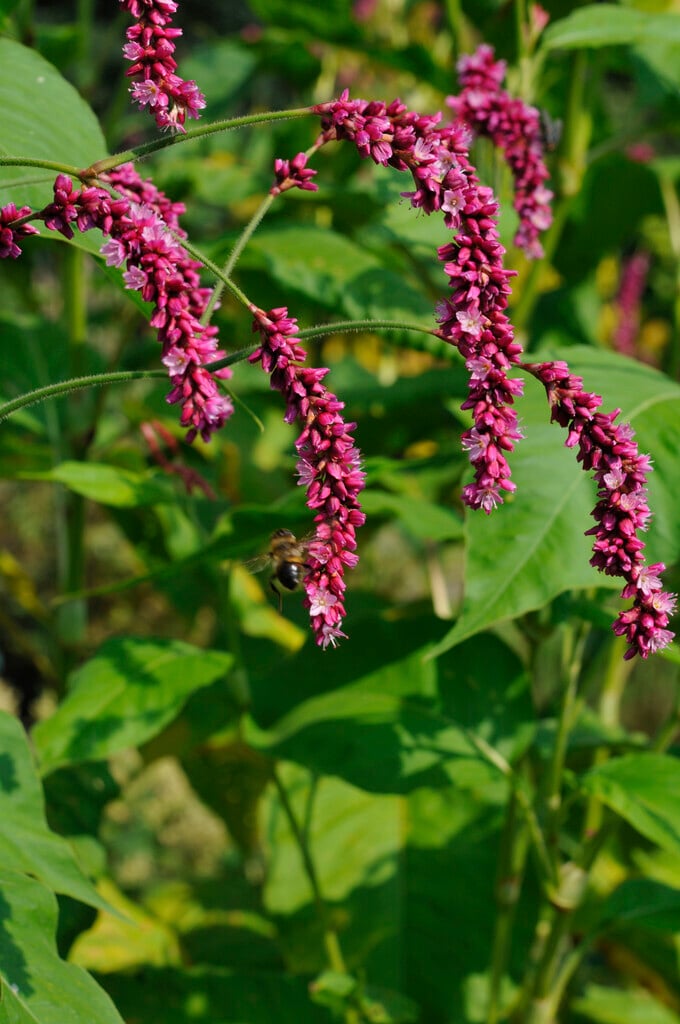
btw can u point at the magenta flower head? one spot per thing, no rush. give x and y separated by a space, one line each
329 466
516 129
150 49
10 232
293 174
60 214
622 510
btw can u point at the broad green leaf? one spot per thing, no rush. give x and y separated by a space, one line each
200 995
641 901
45 119
131 938
123 696
331 21
422 519
643 789
109 485
381 294
447 886
26 842
411 723
616 1006
221 67
315 262
534 547
352 836
37 986
610 25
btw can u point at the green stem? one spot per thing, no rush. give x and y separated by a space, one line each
228 269
225 282
71 619
616 674
672 208
572 658
571 168
342 326
108 163
512 859
65 387
518 784
524 307
246 235
48 165
454 14
84 42
523 61
669 729
334 956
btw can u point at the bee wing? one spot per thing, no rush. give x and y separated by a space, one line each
257 564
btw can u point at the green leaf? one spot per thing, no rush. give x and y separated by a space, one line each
643 789
45 119
331 21
422 519
37 986
610 25
411 722
315 262
212 996
641 901
110 485
534 547
351 834
123 696
614 1006
26 843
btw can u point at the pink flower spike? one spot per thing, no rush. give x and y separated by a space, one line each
143 232
150 48
608 450
516 129
329 467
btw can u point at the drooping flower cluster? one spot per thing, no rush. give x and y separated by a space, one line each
329 466
608 449
293 174
150 48
633 280
157 266
473 318
159 441
516 129
10 231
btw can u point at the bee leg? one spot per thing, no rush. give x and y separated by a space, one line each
278 593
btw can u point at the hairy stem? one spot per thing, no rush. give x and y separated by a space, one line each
334 955
511 864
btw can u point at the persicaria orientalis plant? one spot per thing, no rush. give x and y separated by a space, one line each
145 240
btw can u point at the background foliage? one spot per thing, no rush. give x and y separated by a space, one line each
469 811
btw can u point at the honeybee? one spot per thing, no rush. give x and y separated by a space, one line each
551 130
287 557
